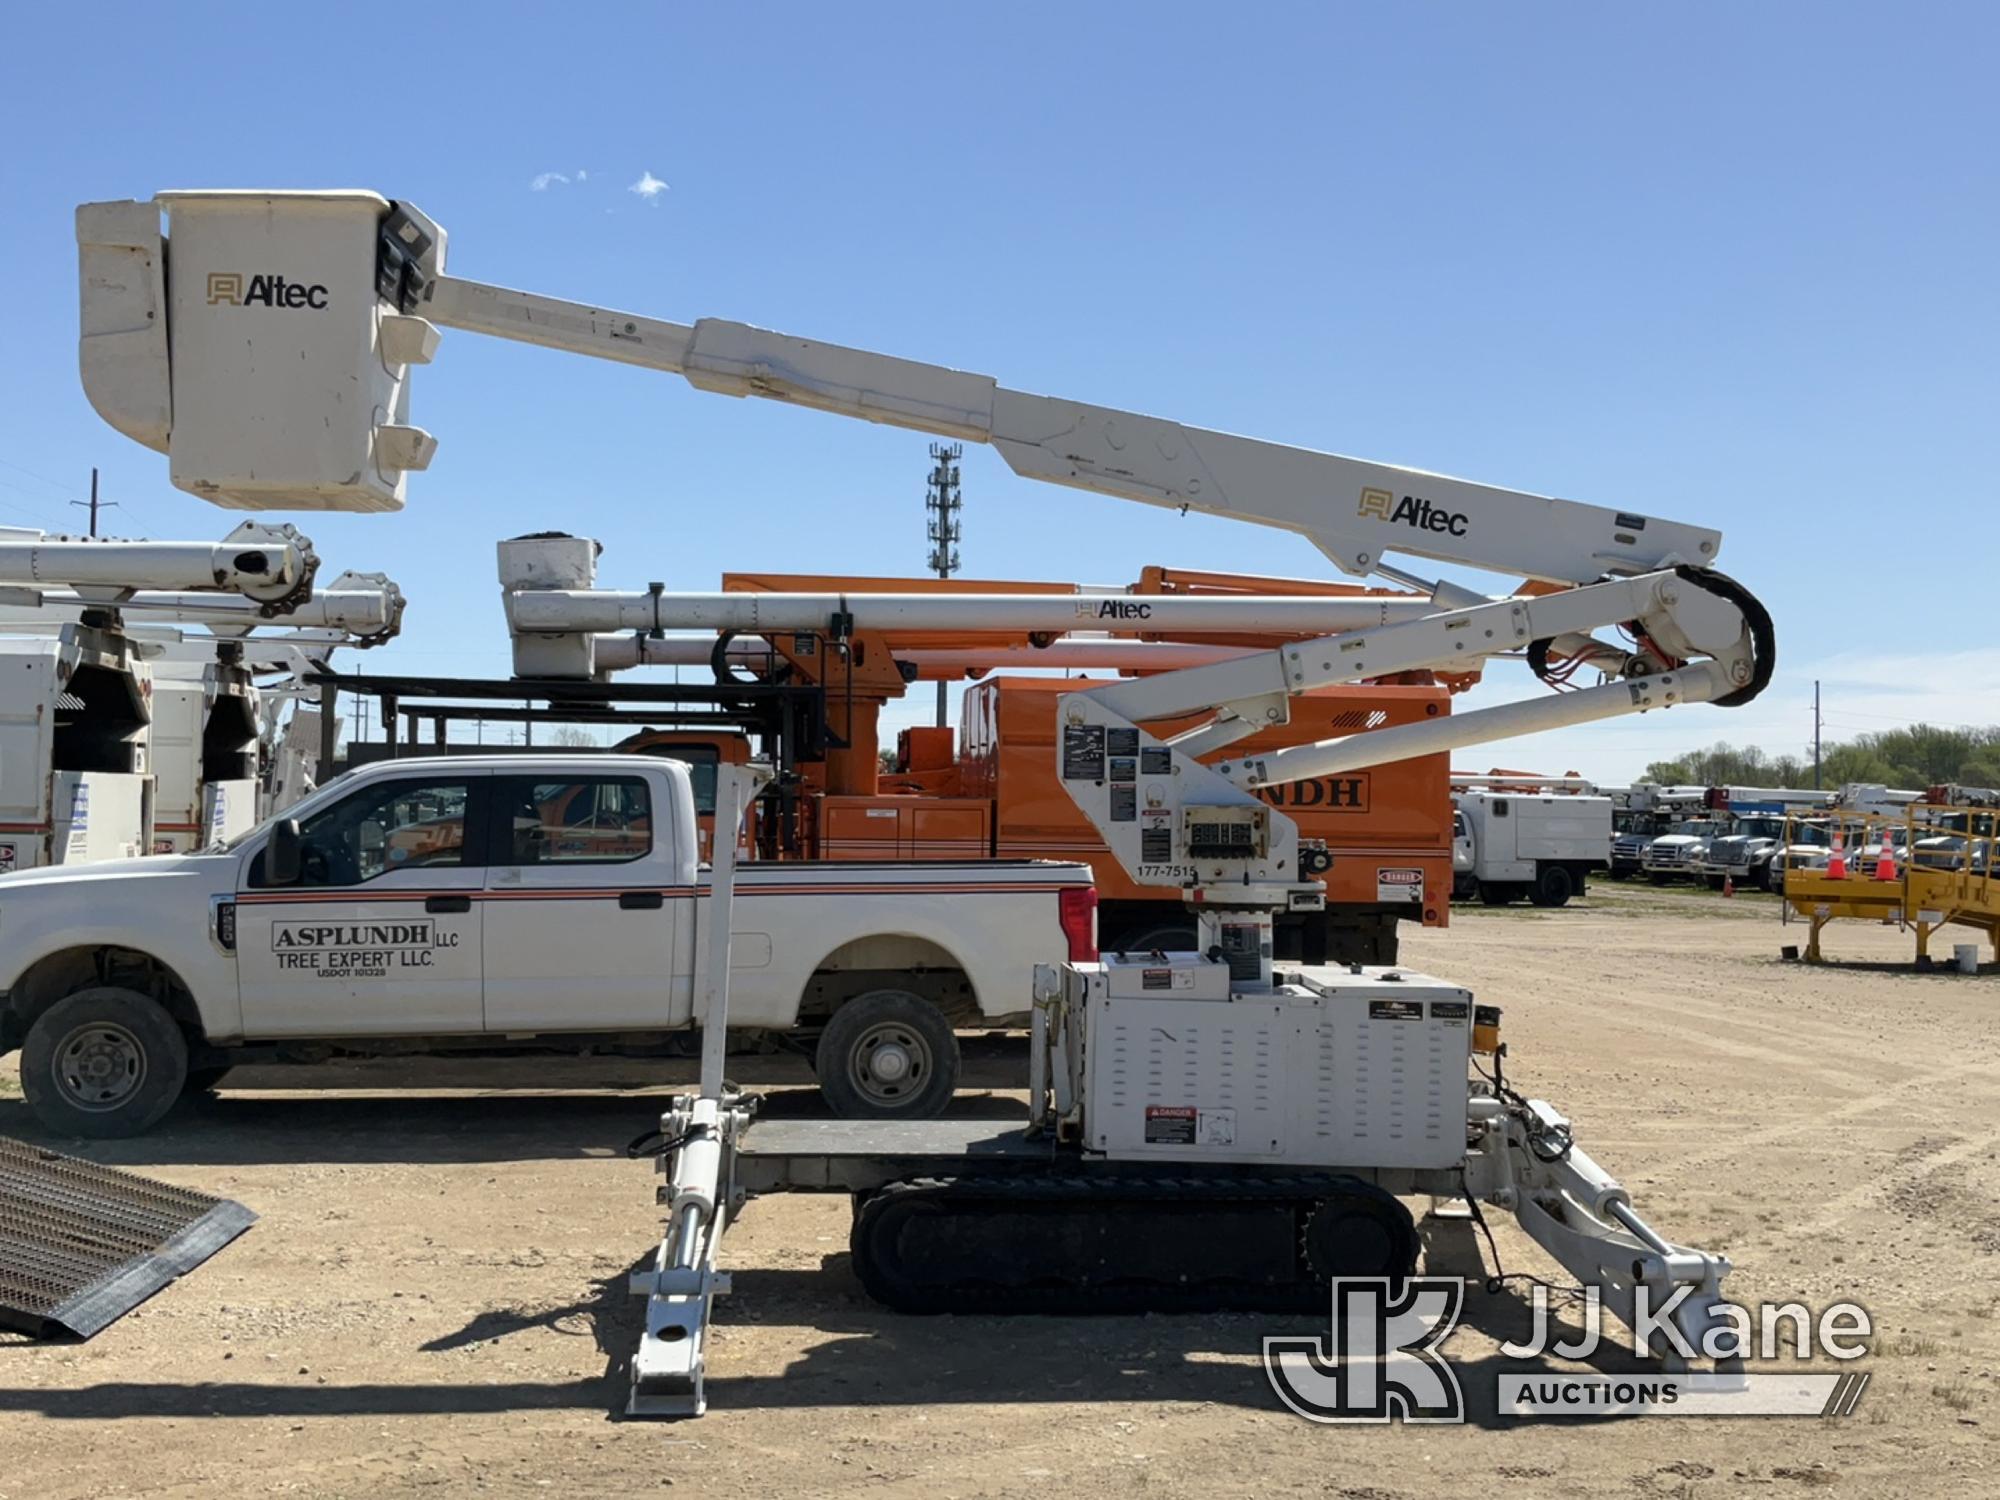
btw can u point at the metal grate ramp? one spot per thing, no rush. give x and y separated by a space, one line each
82 1245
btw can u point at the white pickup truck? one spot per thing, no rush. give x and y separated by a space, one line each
516 904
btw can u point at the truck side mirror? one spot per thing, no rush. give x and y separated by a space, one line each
281 854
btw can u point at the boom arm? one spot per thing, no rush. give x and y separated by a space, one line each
364 609
291 387
1353 510
270 566
1172 821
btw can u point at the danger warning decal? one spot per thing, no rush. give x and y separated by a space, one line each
1399 883
358 950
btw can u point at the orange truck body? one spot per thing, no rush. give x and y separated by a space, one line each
993 791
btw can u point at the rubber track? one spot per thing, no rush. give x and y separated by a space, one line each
1205 1287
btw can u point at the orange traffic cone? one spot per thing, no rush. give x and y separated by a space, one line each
1885 862
1836 862
1729 885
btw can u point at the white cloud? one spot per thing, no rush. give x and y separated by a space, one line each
543 181
648 187
581 175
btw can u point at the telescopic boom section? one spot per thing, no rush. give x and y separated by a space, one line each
361 609
1353 510
271 567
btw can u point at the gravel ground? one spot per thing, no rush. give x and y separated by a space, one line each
434 1298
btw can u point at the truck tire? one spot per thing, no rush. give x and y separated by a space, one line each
887 1055
1554 885
105 1062
1495 893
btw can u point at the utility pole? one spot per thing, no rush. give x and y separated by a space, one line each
1815 734
941 507
93 504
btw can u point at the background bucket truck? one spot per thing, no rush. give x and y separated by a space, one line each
1248 1164
77 705
213 731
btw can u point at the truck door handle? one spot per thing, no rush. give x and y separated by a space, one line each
641 901
447 903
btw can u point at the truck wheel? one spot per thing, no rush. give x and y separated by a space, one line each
887 1054
1554 885
104 1062
1495 893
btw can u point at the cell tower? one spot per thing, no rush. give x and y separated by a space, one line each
941 507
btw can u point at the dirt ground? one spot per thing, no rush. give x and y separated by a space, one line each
434 1298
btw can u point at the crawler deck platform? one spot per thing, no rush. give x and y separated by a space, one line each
858 1156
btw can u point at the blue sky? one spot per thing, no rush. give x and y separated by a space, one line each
1729 264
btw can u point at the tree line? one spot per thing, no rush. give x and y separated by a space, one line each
1921 755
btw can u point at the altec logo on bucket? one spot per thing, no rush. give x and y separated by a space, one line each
262 291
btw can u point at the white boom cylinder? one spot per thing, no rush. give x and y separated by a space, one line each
1701 683
580 611
1077 654
268 564
353 612
621 653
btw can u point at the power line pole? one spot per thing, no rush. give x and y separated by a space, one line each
941 507
1815 734
94 504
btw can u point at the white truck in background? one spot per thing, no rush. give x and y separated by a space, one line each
1742 854
1642 813
1540 847
505 905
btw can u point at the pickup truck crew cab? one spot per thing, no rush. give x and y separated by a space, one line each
516 904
